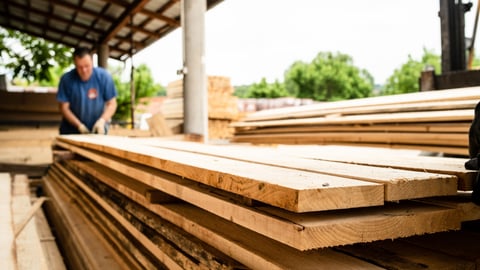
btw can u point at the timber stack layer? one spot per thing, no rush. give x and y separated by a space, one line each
186 205
222 107
29 109
436 121
27 242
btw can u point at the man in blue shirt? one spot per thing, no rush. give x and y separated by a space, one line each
87 96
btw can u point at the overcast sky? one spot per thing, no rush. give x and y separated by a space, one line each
250 39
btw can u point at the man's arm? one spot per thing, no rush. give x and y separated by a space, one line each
110 108
68 114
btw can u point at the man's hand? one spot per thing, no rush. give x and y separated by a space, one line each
99 126
83 129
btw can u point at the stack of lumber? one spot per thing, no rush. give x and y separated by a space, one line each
436 121
26 149
26 240
29 108
179 204
222 107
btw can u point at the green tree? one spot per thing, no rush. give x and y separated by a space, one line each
263 89
406 78
31 58
328 77
144 86
241 91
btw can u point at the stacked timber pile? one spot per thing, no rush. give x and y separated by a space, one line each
26 240
29 108
184 205
436 121
222 107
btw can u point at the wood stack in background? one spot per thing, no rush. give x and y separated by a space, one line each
29 109
178 205
222 107
436 121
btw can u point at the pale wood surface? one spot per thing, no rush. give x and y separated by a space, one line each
81 244
262 253
160 254
468 93
401 117
313 227
7 243
381 157
29 251
282 187
52 255
127 250
399 183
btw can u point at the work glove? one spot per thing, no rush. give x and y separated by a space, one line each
83 129
99 127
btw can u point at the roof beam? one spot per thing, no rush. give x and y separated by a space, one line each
123 19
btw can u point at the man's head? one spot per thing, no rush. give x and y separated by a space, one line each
82 58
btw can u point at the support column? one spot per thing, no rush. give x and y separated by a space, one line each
103 52
195 95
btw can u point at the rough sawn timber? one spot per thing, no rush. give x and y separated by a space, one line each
293 190
399 184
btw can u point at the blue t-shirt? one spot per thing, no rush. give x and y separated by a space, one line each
87 99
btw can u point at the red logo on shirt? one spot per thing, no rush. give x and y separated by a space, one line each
92 93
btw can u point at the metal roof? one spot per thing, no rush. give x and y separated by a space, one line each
118 23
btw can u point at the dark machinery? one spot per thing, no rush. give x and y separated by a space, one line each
456 69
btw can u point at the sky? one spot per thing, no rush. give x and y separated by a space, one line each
247 40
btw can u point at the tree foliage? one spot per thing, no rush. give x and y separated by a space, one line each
328 77
263 89
406 78
32 58
144 86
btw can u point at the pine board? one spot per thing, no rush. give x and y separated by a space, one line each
449 95
401 117
30 255
285 188
302 231
383 158
7 243
170 258
82 246
263 253
399 184
441 139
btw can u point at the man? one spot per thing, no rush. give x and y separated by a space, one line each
87 96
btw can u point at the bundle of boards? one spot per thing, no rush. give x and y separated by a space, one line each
187 205
436 121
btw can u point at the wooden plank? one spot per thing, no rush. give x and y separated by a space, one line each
162 255
29 252
286 188
82 246
410 127
399 184
262 253
52 255
336 108
127 248
461 244
440 150
468 93
302 231
186 249
389 158
402 255
462 202
406 117
7 243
